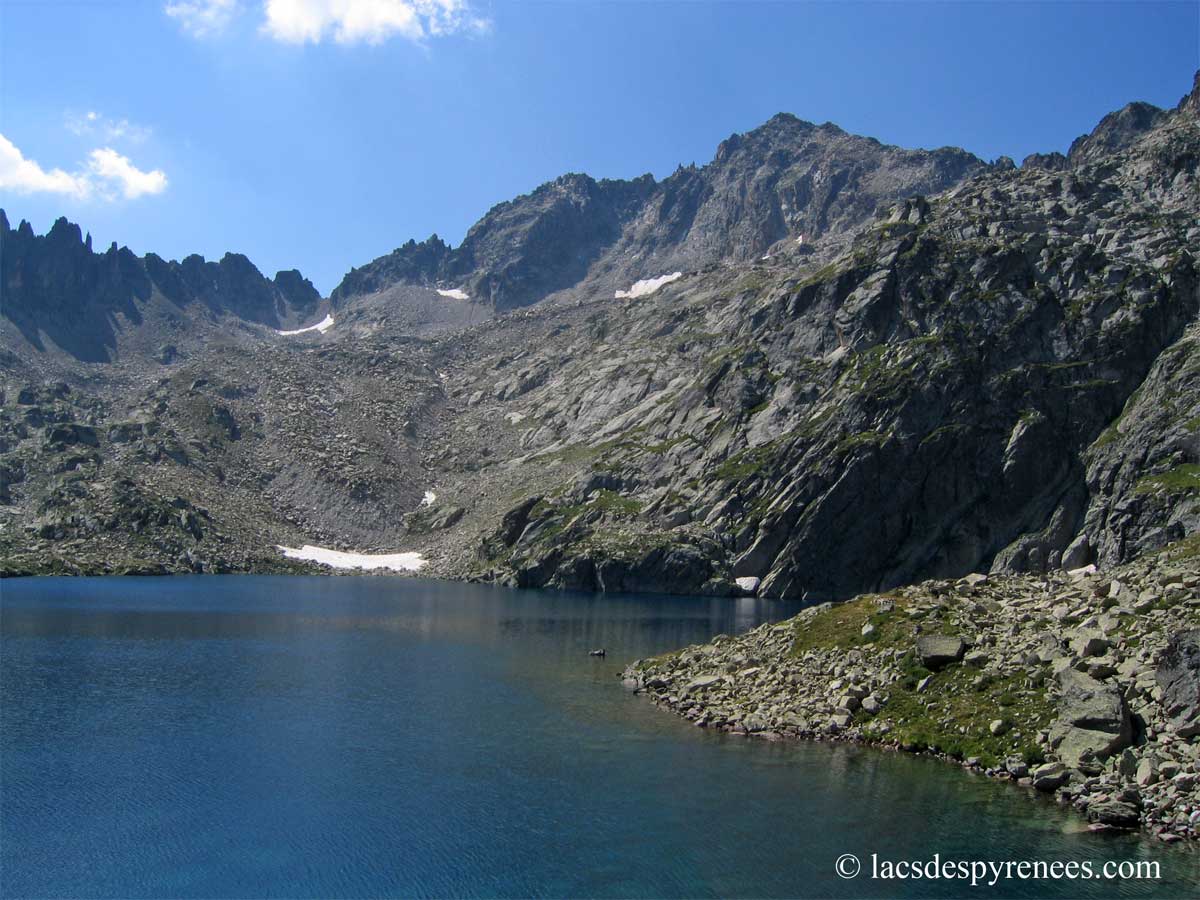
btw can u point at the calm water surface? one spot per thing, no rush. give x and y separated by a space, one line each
296 737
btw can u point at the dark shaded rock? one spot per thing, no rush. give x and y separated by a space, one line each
71 434
1178 675
1114 813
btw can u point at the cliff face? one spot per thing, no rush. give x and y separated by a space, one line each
963 367
933 402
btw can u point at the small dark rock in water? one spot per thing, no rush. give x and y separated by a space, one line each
1115 813
600 652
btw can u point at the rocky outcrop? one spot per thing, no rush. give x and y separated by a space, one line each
1036 702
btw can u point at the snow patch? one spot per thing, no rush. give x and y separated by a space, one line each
454 293
647 286
515 418
323 326
429 499
398 562
748 583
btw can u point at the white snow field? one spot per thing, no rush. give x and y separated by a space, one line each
323 326
399 562
647 286
429 499
454 293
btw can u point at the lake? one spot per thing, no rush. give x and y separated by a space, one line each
220 736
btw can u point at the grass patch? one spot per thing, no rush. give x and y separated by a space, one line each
841 626
1180 480
953 714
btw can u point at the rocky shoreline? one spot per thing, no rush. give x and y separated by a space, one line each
1081 685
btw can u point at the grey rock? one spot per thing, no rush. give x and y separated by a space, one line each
1178 676
938 651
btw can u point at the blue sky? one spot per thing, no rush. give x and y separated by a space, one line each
319 134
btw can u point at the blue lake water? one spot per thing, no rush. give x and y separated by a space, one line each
242 736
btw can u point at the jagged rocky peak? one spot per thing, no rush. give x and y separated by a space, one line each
410 263
298 292
521 250
56 288
1115 132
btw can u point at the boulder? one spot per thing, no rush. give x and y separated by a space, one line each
1050 777
696 685
1093 721
1090 643
939 650
1178 676
1114 813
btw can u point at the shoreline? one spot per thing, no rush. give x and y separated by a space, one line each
1082 687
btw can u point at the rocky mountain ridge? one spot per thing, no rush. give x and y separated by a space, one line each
999 376
786 180
56 289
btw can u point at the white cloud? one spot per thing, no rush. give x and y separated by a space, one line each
24 176
92 123
106 175
110 166
367 21
202 18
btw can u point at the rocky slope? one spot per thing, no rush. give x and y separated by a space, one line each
1079 685
997 377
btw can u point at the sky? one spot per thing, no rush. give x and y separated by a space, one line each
320 134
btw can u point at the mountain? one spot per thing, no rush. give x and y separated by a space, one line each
57 289
782 181
962 367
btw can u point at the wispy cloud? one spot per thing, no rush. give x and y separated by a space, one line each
106 175
96 124
343 21
202 18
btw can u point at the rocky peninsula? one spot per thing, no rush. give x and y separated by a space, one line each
1084 685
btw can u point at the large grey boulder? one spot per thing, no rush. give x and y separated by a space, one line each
1178 675
1093 721
939 650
